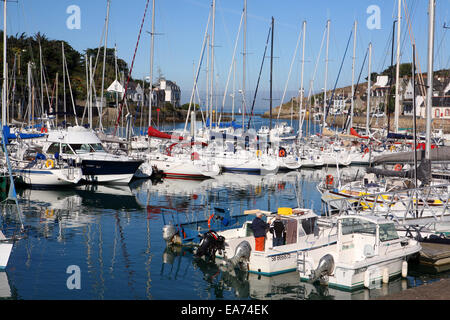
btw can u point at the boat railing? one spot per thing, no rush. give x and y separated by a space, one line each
416 206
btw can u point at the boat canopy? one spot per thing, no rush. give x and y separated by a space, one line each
74 135
11 136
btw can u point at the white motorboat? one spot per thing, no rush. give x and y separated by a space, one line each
82 146
368 250
303 231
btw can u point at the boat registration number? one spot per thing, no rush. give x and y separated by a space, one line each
281 257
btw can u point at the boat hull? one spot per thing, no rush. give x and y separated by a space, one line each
49 178
5 252
109 171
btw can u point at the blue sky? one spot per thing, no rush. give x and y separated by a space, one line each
181 25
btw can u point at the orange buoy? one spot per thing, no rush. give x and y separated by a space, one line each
282 153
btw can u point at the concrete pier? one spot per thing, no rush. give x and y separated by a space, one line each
439 290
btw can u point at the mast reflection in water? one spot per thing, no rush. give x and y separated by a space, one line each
114 235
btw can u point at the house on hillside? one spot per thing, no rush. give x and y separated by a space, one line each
441 98
172 92
379 94
135 92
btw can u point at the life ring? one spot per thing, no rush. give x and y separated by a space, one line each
282 153
49 164
258 153
44 130
366 150
329 180
398 167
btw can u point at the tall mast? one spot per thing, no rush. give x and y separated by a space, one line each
64 84
413 80
208 56
57 101
353 78
104 65
91 77
211 92
42 77
397 76
391 79
271 72
29 92
5 69
244 54
234 90
301 83
151 67
368 89
326 74
431 13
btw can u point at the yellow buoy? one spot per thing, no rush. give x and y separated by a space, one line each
49 164
285 211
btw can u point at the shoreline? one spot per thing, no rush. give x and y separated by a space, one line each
405 122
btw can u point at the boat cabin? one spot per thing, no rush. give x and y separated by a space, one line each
74 141
297 222
360 237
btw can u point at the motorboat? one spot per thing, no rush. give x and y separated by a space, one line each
368 250
82 146
304 231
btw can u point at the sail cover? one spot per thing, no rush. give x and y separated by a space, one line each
356 134
152 132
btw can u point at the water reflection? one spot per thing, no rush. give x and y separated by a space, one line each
115 235
5 289
221 280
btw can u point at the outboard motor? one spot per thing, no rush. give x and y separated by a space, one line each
241 254
169 232
325 268
211 243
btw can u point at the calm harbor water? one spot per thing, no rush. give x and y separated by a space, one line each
113 234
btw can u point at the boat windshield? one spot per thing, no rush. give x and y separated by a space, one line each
86 148
388 232
352 225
